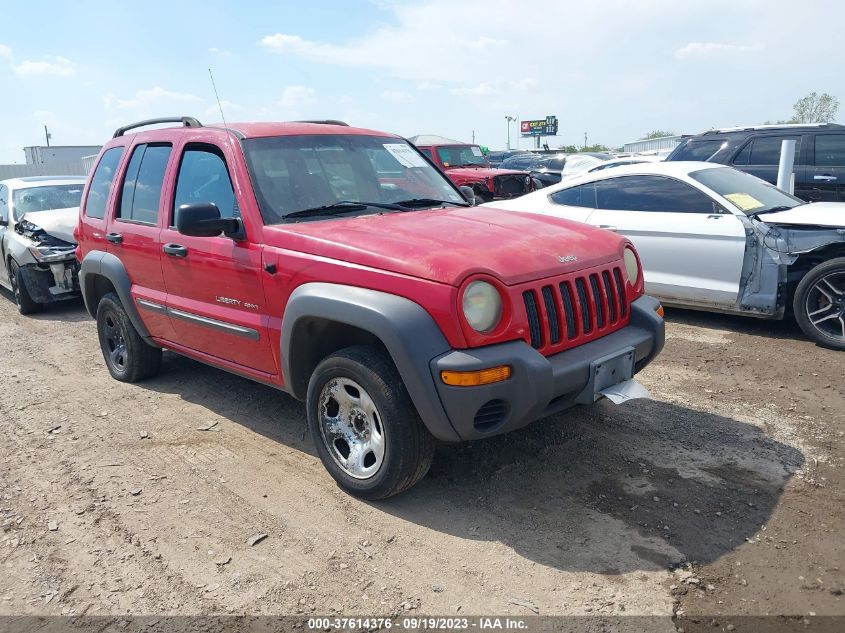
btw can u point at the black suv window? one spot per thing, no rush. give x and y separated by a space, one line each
141 194
203 177
765 150
830 150
580 196
698 150
101 181
651 193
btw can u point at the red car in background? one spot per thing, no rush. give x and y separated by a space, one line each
466 165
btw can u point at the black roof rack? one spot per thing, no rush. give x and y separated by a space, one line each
327 122
187 121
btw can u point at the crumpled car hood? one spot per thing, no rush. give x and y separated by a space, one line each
830 214
56 222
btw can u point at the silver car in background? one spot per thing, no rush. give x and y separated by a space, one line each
37 217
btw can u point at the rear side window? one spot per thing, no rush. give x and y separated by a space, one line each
651 193
101 181
580 196
203 177
765 150
141 195
830 150
698 150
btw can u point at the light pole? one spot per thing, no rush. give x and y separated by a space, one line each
509 119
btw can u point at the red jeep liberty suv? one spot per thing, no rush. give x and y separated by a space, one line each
338 265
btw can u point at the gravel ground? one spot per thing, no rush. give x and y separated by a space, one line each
723 495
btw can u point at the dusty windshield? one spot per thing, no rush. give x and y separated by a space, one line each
46 198
462 156
747 193
292 174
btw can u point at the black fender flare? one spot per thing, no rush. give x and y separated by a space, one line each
406 330
103 264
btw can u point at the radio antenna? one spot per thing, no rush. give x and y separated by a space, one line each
220 107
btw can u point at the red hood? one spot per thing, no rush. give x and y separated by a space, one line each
482 172
447 245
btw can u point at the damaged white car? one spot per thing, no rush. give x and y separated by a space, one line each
37 219
714 238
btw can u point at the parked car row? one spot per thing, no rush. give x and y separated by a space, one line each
350 269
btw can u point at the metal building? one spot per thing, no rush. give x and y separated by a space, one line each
48 154
654 144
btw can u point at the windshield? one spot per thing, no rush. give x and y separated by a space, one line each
747 193
295 173
45 198
462 156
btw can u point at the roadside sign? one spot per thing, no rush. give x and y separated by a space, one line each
539 127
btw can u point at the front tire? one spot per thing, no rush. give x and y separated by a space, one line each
365 427
129 358
24 301
819 304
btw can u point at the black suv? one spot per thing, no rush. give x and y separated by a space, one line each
819 155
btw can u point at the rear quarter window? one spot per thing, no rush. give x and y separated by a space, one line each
698 150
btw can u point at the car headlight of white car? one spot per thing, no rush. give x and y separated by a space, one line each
482 306
632 266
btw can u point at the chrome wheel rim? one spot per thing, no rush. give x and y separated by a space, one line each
13 281
825 305
351 428
115 343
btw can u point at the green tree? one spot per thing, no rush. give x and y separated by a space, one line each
815 108
657 134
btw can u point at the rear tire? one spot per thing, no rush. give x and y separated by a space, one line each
819 304
129 358
25 303
367 431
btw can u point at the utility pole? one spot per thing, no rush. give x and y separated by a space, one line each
47 135
585 140
473 137
509 119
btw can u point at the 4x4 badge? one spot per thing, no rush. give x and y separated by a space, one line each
563 259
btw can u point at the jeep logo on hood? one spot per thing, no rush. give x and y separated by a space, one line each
564 259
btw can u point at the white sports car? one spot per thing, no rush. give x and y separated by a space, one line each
714 238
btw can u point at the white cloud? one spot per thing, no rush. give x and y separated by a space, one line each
296 97
221 52
55 65
397 96
499 86
714 49
148 98
229 109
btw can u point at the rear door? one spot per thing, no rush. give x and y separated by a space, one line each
826 176
691 250
215 295
760 156
133 233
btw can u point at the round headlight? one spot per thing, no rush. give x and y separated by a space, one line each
632 267
482 306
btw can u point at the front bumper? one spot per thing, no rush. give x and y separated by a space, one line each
539 385
56 281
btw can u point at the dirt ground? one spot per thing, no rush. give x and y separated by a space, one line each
722 495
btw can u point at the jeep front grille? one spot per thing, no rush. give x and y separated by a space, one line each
575 308
508 186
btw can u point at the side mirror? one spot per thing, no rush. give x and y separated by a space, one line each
468 194
202 219
4 222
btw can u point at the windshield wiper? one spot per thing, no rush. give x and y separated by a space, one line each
428 202
343 206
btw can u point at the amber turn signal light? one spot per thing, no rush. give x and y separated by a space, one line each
476 378
659 311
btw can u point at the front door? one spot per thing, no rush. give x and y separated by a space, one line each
691 251
826 176
215 296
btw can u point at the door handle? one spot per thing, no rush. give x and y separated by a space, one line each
824 178
608 227
175 250
114 238
715 216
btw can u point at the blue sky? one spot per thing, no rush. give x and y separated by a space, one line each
613 69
